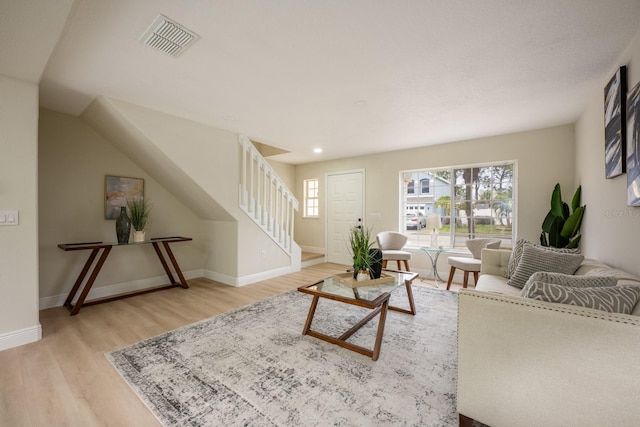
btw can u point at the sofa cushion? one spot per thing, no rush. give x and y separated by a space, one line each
592 267
496 284
536 258
571 280
518 248
614 299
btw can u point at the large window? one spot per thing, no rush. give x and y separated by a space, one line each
311 198
464 202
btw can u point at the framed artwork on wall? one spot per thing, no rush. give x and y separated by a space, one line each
119 189
633 146
615 93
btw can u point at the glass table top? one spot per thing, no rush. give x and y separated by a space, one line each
335 287
434 250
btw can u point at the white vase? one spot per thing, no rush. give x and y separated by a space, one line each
138 236
362 275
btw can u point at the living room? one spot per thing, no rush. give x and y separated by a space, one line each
53 166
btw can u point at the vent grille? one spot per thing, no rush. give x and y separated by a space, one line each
168 36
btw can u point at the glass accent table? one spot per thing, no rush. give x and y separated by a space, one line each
433 254
374 297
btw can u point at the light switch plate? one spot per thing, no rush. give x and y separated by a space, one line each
9 217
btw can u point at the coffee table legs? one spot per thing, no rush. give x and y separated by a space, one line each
412 306
342 339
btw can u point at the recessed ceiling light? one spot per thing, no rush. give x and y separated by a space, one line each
317 150
361 103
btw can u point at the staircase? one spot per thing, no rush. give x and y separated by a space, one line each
266 199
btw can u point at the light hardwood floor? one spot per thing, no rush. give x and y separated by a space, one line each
65 380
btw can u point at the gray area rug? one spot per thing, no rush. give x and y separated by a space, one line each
252 366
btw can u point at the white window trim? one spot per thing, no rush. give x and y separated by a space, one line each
307 198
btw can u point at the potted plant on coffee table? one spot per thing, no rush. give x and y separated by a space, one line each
360 241
139 213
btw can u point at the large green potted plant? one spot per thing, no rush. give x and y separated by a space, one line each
360 242
139 213
561 226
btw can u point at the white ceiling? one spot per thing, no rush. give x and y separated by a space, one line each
348 76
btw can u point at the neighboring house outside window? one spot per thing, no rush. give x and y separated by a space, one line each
474 201
311 198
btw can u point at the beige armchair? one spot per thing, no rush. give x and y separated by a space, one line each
472 265
391 244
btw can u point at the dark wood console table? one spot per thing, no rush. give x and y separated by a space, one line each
96 247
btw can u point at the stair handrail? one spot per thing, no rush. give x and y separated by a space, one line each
265 198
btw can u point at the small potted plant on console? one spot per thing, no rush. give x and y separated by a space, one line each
139 212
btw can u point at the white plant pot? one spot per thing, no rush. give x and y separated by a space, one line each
362 276
138 236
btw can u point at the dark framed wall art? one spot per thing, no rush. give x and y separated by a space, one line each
614 123
633 146
119 189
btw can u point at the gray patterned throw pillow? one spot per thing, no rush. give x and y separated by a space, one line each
516 253
538 259
571 280
614 299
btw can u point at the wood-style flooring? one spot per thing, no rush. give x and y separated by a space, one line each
65 380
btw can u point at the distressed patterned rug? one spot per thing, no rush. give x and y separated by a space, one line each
252 366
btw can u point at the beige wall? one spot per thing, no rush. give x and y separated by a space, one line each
73 162
211 158
543 158
611 229
19 321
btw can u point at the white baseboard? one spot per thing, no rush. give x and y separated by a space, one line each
20 337
118 288
247 280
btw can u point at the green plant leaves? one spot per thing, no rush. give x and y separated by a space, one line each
360 242
561 226
556 201
546 224
572 225
575 202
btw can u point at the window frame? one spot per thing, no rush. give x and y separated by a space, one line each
406 204
311 198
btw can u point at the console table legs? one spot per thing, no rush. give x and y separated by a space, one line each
75 308
176 267
95 248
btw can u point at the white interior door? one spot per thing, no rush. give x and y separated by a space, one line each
345 209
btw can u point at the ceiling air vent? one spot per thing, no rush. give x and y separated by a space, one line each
168 36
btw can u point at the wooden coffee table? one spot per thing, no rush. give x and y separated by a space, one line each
374 297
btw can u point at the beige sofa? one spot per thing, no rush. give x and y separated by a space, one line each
531 363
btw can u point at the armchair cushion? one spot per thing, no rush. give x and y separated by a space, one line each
391 240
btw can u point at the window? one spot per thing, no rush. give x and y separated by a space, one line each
472 202
310 198
424 186
410 187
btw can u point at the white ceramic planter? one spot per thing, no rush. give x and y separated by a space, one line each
138 236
